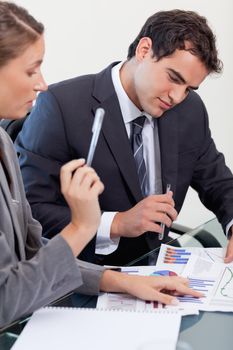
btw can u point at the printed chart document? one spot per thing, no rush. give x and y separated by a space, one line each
206 272
175 259
203 266
214 279
70 328
120 301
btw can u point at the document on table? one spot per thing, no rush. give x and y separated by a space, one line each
206 272
70 328
175 259
214 279
119 301
203 266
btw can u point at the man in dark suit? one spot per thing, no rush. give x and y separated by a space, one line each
172 55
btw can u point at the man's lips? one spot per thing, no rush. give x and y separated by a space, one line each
164 104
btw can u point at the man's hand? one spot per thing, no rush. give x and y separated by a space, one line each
145 216
229 253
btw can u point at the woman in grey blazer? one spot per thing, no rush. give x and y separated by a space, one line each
33 274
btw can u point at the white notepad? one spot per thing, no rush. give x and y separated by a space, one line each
92 329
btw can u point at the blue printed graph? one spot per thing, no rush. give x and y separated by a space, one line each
176 256
200 285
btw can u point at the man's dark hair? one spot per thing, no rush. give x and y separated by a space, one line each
171 30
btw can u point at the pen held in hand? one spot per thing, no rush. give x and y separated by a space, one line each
97 124
162 225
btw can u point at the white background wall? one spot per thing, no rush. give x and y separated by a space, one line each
85 36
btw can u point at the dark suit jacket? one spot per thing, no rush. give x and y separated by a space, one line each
59 129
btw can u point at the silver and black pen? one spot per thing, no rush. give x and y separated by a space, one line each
162 225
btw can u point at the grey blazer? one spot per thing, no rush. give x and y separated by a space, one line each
32 274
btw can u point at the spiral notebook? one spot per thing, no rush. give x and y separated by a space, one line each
84 329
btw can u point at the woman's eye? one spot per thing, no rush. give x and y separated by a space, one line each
30 74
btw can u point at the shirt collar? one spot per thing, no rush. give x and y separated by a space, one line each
128 109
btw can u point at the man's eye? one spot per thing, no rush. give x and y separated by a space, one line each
174 79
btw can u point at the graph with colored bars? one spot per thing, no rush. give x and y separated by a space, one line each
204 286
176 256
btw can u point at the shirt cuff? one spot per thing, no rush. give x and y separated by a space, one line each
104 244
228 232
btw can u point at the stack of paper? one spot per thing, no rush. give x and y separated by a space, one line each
69 328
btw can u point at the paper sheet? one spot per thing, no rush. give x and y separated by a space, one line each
70 328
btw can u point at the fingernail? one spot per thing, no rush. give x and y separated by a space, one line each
175 302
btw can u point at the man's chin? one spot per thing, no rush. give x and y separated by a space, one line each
158 114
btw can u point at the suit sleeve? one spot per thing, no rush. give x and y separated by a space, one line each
212 179
43 148
30 284
45 273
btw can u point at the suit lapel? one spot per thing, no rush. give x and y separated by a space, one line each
116 136
114 131
168 137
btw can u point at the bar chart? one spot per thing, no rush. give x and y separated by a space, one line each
176 256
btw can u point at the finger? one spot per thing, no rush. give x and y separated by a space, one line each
153 223
162 198
165 281
66 172
73 165
88 180
163 219
177 284
166 298
92 184
97 188
157 209
151 226
229 252
81 174
180 279
185 290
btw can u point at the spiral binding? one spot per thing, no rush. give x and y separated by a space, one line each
155 311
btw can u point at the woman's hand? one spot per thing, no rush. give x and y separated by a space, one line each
154 288
81 187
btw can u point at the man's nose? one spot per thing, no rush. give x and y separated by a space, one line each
178 94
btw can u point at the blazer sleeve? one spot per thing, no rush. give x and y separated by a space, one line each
30 284
48 272
212 179
43 148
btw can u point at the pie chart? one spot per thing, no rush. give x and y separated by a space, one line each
163 273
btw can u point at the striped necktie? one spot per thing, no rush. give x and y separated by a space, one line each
137 147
